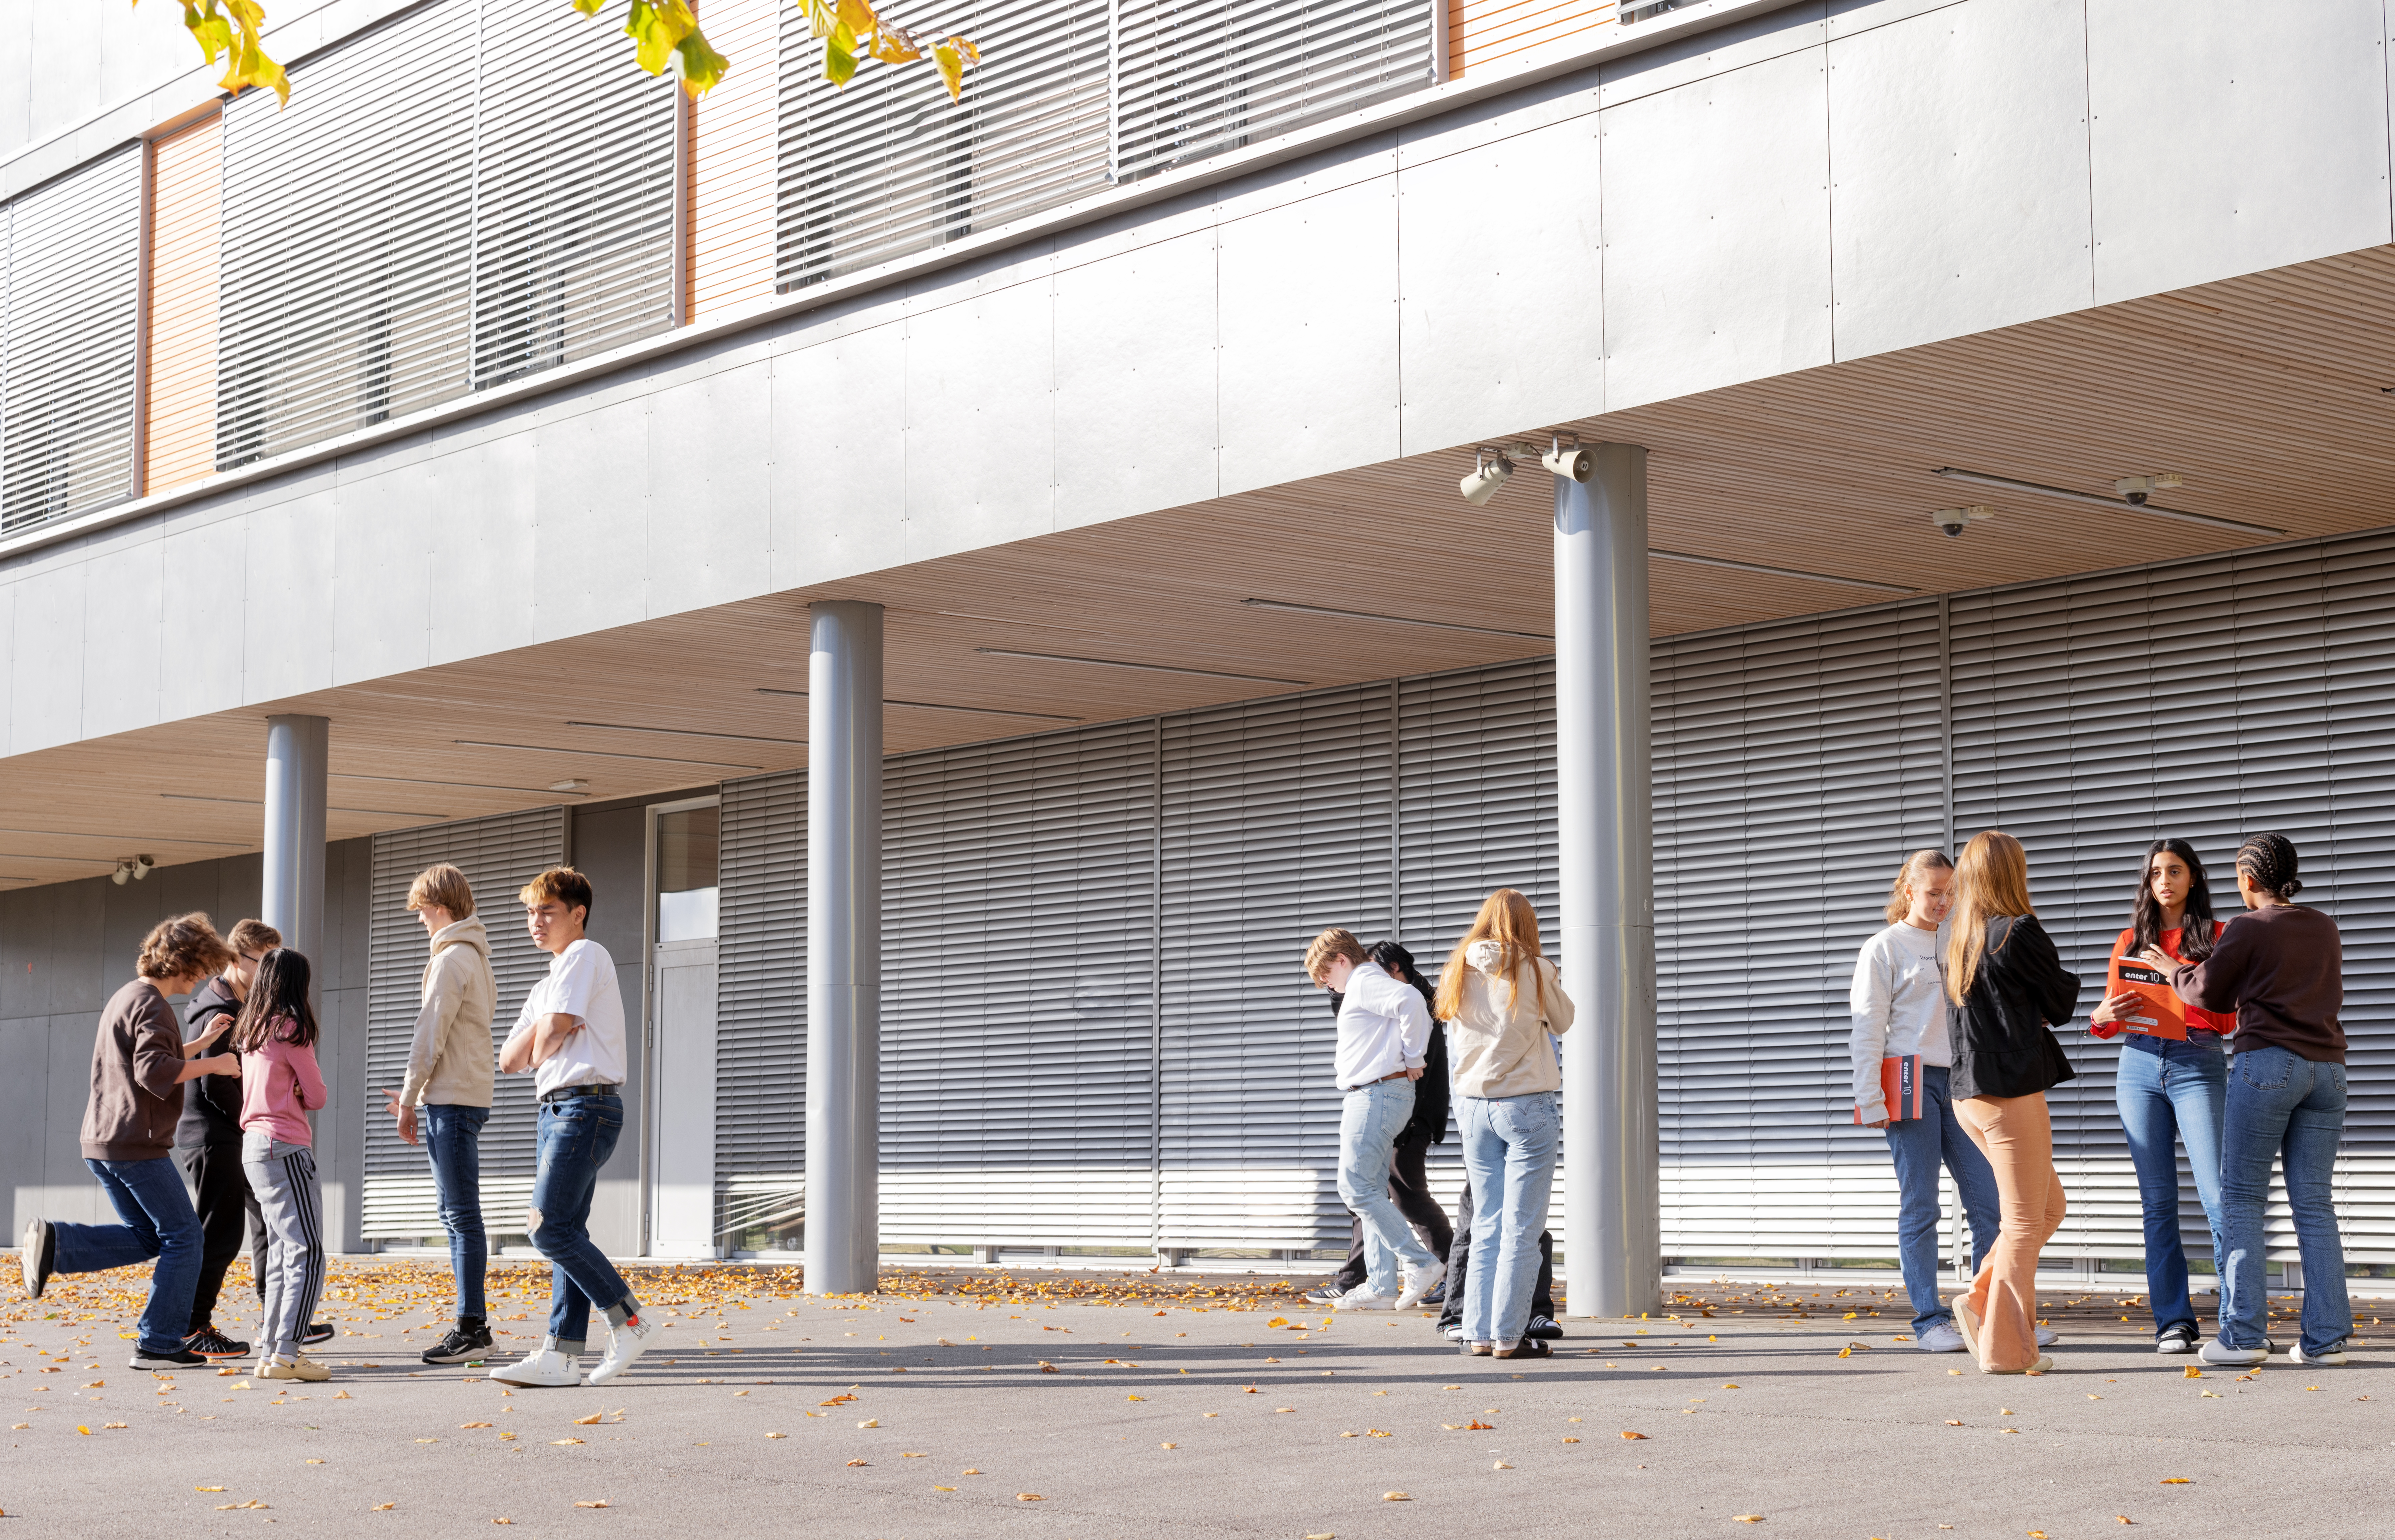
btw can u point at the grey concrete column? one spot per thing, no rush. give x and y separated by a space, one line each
1605 826
294 898
843 1233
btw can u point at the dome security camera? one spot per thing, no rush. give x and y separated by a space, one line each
1955 520
2138 489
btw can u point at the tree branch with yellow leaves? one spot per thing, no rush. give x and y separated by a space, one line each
661 31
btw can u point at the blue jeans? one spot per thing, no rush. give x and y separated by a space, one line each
452 1137
1509 1150
576 1137
2172 1093
160 1222
1919 1146
2284 1105
1371 1117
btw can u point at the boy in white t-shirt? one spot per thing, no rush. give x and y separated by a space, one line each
570 1037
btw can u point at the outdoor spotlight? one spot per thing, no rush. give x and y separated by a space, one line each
143 866
2137 488
1955 520
1572 463
1490 469
123 874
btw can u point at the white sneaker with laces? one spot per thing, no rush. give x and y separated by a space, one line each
1942 1338
2333 1354
544 1366
628 1343
2217 1351
1417 1283
1365 1299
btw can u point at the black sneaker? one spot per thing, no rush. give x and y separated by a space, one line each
319 1331
181 1357
208 1342
463 1344
1329 1293
2179 1339
1436 1297
40 1249
1544 1329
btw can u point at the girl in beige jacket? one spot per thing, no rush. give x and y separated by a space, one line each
1505 1006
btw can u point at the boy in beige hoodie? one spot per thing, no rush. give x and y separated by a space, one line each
448 1080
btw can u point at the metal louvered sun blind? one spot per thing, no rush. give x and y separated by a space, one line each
1794 765
2205 700
889 166
1195 77
498 856
761 993
1017 987
73 278
573 190
345 239
1275 824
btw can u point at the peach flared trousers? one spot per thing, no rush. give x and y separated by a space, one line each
2016 1136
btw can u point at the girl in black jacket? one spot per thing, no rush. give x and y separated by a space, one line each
2002 969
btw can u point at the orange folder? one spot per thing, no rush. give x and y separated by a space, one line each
2159 1011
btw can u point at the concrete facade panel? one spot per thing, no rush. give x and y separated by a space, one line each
205 592
68 1190
2215 151
710 488
1709 55
80 977
1958 154
1310 353
288 638
980 463
45 659
1717 231
482 532
591 552
1504 310
1853 18
25 922
840 413
25 1107
381 553
1135 381
7 656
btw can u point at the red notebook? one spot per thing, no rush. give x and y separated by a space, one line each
1899 1086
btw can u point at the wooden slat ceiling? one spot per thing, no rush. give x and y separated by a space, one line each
2269 392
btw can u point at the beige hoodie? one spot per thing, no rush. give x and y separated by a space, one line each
1499 1039
451 1059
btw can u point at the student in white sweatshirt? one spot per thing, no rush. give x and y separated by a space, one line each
1900 1008
1384 1034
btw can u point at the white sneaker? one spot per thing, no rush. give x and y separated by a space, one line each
1942 1338
2333 1354
543 1367
1365 1299
627 1343
2217 1351
2045 1337
1417 1283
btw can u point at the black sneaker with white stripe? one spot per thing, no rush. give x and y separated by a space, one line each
181 1357
208 1342
1544 1329
467 1343
2178 1338
1329 1293
318 1331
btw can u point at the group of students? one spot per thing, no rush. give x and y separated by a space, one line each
1953 1006
1503 1005
240 1121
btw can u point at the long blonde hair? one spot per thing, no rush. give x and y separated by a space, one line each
1909 877
1990 880
1506 919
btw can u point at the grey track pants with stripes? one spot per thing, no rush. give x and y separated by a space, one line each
284 1176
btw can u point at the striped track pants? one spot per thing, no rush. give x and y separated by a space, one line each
284 1176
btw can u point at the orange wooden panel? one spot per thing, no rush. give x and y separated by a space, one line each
185 174
732 132
1481 33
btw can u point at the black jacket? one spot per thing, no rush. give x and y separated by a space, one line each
1433 1091
2002 1044
212 1103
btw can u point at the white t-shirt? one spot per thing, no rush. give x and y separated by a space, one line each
581 982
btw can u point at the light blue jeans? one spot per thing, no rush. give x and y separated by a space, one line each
1509 1150
2281 1104
1371 1117
2172 1093
1919 1146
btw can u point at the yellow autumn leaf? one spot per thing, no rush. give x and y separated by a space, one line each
600 1503
584 1422
1029 1497
1397 1497
2177 1480
384 1507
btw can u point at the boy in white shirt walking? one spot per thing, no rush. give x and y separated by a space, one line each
1383 1031
570 1037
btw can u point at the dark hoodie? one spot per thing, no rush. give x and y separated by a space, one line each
212 1103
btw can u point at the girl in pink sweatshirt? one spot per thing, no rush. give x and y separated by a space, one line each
280 1085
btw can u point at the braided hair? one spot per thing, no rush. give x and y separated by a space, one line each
2268 861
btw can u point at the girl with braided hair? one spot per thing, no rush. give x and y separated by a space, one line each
2280 968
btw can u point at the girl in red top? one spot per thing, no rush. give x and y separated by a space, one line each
2172 1084
280 1085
